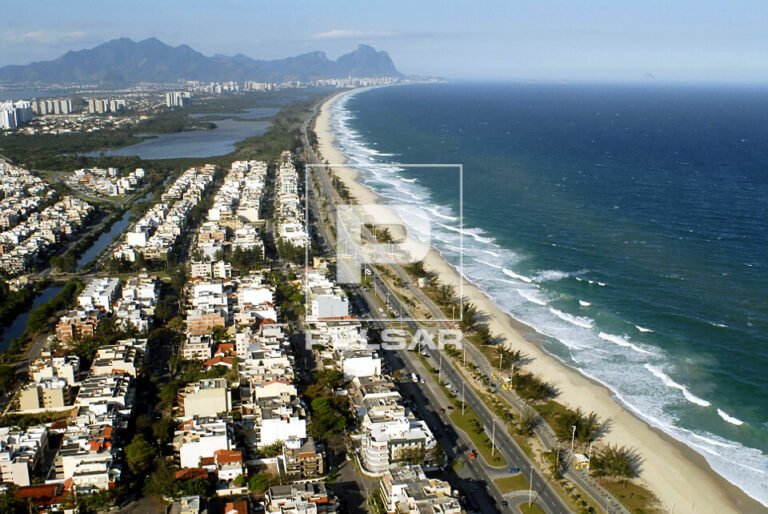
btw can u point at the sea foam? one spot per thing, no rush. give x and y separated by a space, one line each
730 419
622 341
579 321
517 276
667 380
532 296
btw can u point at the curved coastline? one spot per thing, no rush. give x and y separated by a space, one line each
681 478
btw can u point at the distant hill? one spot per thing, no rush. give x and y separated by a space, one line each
124 61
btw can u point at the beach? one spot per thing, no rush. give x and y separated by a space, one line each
680 477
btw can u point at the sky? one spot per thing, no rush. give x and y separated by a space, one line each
586 40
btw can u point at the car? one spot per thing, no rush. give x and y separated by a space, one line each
505 503
442 410
514 470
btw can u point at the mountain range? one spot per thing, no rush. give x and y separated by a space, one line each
124 61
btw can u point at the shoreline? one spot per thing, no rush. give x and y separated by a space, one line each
681 478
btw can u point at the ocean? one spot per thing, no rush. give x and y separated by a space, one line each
627 224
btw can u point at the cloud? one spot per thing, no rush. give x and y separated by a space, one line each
352 34
42 37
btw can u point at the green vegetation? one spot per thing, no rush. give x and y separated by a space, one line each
533 388
25 421
139 455
162 483
273 450
512 483
472 425
330 413
260 482
39 319
375 502
9 504
531 509
636 498
13 303
616 461
289 295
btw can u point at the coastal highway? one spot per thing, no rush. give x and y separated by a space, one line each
545 496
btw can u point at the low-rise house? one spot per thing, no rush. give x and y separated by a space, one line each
22 453
276 421
394 440
99 392
77 324
46 366
305 497
302 463
126 356
99 294
206 398
405 489
200 438
47 394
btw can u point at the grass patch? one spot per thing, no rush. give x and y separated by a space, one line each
531 509
636 498
551 410
513 483
470 424
523 442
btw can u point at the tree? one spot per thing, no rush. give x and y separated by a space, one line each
325 419
260 482
162 430
273 450
160 482
10 504
412 455
554 459
617 461
139 455
99 501
470 316
588 426
196 487
446 294
532 387
529 420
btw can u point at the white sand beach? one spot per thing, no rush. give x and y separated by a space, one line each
680 477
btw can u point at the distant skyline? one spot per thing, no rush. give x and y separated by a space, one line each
596 40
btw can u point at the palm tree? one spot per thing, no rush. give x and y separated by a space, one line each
588 428
529 419
619 462
446 294
469 316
